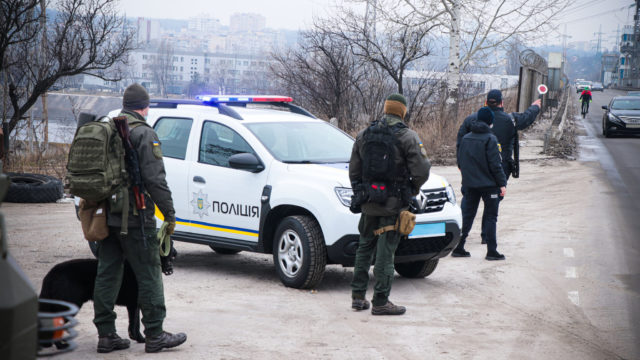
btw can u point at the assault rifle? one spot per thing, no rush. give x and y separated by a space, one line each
133 165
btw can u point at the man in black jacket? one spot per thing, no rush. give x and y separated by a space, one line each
504 126
479 162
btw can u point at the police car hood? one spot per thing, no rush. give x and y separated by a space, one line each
337 174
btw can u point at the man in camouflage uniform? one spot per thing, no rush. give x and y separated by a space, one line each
141 252
409 155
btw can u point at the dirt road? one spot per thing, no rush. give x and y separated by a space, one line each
560 294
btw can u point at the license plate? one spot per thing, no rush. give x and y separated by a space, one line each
427 230
633 126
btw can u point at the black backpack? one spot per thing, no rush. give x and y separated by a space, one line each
378 160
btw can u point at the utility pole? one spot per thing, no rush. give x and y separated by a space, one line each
636 48
599 41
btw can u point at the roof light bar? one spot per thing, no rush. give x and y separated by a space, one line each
243 98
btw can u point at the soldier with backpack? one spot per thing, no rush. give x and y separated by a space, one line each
388 166
131 229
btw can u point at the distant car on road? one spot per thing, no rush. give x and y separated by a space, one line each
621 116
633 93
583 85
596 86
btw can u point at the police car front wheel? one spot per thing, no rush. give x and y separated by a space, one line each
299 253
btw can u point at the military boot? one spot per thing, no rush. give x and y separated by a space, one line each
111 342
359 304
388 309
163 341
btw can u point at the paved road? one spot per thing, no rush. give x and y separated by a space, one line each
619 157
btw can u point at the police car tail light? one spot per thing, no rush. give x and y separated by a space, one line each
221 99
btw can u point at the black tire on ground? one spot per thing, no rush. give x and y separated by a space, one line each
605 130
416 269
33 188
223 251
299 253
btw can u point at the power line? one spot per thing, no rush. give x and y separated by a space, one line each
596 15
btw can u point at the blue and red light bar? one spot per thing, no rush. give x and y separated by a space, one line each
216 99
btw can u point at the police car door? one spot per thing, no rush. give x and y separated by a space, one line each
174 132
225 202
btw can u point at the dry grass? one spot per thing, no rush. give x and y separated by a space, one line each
51 162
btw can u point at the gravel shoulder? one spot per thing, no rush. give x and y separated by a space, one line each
234 306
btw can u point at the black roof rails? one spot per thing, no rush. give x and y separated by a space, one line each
173 104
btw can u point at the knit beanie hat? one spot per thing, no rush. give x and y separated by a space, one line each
486 115
494 97
135 98
396 104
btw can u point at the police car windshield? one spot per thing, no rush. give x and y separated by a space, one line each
626 104
303 142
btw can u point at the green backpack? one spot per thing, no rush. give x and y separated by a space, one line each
96 167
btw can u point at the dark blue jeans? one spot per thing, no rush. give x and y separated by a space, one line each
470 201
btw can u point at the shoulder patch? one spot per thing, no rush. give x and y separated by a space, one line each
157 150
499 147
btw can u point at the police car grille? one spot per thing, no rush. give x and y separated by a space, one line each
435 200
630 120
423 245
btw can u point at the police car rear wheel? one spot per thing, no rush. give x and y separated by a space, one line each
416 269
223 251
299 253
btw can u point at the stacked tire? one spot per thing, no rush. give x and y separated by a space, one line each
33 188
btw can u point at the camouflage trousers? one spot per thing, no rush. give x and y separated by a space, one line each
145 263
384 246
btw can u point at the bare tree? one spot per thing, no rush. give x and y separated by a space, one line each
19 21
393 40
162 67
86 37
476 27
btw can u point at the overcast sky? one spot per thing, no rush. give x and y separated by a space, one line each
583 18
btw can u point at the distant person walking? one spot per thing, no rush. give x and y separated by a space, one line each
479 162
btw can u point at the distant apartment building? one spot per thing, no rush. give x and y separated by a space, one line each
204 24
247 22
609 68
147 30
219 72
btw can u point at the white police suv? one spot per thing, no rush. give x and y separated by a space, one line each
258 173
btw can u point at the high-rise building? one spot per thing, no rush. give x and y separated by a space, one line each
247 22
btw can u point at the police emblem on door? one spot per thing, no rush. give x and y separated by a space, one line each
200 204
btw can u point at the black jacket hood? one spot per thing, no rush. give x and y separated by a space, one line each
480 127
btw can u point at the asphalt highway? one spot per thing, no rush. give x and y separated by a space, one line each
619 157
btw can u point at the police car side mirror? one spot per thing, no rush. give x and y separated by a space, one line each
246 161
604 107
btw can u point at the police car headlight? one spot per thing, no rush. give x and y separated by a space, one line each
451 195
344 195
